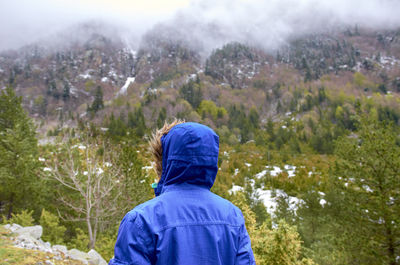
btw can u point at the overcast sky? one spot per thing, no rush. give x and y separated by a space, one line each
265 22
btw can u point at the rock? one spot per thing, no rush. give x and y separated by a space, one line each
47 245
14 227
48 262
34 231
26 239
84 261
28 242
62 249
78 255
95 258
7 226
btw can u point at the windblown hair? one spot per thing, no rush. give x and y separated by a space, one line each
156 146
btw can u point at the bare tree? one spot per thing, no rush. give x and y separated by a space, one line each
91 176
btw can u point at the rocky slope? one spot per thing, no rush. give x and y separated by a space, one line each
35 251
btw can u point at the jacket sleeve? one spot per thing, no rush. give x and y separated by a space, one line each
244 255
134 243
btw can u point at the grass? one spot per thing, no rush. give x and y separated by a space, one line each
9 254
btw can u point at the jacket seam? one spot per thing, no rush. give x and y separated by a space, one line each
173 157
196 224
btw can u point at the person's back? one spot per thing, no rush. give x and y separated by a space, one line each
186 223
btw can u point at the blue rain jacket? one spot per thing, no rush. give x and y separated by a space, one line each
185 223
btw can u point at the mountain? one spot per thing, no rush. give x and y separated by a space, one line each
58 79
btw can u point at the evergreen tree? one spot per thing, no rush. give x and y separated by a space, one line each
98 100
18 154
66 91
162 116
137 122
254 118
192 93
116 127
134 186
368 175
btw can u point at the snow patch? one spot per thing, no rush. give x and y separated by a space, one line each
235 188
85 76
261 174
270 200
123 89
290 170
367 188
275 171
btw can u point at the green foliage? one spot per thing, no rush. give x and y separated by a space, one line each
192 93
370 165
208 108
116 127
137 122
359 79
281 245
134 186
162 116
105 245
24 218
80 241
53 232
19 182
98 101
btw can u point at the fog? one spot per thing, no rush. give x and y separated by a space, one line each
212 22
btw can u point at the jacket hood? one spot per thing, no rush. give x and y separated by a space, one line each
190 155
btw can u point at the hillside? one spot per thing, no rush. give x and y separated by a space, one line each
61 83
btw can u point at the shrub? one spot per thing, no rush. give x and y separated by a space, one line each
81 241
24 218
52 230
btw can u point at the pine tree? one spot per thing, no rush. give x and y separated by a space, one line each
368 174
137 122
98 100
192 92
66 91
162 116
18 154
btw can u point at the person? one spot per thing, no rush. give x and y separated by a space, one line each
185 223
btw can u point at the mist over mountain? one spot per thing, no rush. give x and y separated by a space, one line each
229 47
266 24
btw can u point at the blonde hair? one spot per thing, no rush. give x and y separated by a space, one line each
156 146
